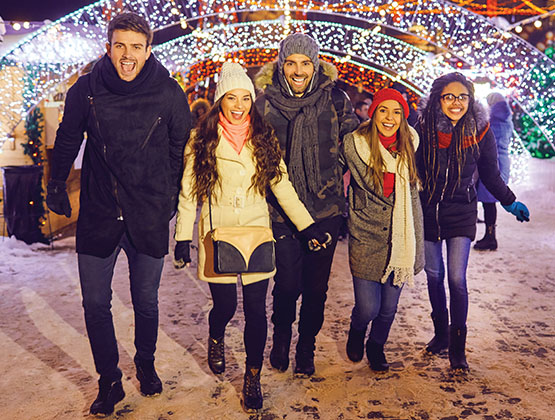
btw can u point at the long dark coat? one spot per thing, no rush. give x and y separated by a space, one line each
133 161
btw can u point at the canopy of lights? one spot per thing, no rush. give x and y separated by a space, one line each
410 42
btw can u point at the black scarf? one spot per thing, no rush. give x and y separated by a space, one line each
302 113
151 72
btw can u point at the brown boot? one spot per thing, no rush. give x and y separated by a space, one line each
252 395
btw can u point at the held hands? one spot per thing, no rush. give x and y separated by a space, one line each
519 210
181 254
315 237
57 199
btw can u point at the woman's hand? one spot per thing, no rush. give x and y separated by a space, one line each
181 254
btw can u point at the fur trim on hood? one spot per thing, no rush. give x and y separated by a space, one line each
481 116
265 75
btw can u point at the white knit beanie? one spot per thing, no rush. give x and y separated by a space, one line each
233 76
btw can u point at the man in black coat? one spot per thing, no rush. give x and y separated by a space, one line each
310 116
137 122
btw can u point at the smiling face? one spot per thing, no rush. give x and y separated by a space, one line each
236 105
298 71
128 51
387 117
454 101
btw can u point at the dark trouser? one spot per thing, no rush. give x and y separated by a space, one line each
490 213
224 297
377 303
300 271
96 286
458 250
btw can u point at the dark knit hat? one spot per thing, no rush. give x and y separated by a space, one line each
386 94
299 43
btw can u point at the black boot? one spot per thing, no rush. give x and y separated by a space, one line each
457 343
488 242
440 341
148 378
304 357
279 356
376 356
355 344
216 355
109 394
252 396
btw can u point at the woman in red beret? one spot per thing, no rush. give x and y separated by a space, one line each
385 221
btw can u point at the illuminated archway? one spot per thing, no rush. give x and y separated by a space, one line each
410 41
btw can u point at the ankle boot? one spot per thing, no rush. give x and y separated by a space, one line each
376 356
355 344
304 357
252 396
216 355
488 242
457 343
109 394
279 356
440 341
148 378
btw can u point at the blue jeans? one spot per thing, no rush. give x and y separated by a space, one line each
458 250
95 275
377 303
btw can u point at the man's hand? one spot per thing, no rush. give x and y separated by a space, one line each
57 199
315 238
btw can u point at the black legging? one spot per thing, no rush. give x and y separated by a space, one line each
224 297
490 213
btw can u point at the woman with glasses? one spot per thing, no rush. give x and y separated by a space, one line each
455 141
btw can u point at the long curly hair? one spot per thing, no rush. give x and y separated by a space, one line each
428 121
262 140
404 146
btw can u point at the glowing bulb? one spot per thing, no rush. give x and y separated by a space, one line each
538 24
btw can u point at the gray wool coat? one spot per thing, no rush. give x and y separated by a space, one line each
370 219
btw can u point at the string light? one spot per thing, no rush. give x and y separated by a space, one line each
443 34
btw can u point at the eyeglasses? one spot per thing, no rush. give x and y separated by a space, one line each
450 98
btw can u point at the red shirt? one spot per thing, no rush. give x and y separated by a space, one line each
388 177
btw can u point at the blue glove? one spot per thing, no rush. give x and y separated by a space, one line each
182 254
519 210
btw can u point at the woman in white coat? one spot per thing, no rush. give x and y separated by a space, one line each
233 158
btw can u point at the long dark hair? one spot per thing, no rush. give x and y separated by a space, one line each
262 139
404 146
429 118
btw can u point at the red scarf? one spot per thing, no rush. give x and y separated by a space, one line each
444 139
235 134
388 177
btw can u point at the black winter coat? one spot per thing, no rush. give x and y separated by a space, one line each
133 161
451 210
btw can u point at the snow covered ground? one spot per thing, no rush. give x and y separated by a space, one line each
46 368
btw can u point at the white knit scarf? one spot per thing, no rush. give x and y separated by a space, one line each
403 239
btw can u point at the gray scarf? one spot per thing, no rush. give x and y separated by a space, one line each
302 113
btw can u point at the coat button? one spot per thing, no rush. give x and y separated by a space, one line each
384 228
239 190
242 172
236 211
385 208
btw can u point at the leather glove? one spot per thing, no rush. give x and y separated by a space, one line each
57 199
315 237
181 254
519 210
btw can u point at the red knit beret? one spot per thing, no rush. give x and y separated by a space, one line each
386 94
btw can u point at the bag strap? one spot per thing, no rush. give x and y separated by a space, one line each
210 208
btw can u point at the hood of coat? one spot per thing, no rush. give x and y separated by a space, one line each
265 75
500 111
444 124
